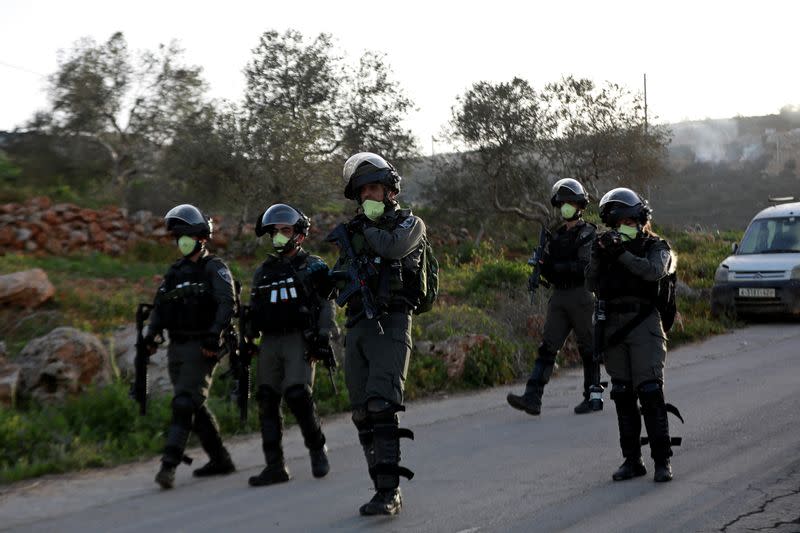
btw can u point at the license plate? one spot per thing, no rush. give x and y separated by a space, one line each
747 292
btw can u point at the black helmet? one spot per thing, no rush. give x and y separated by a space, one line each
366 167
569 190
186 219
621 203
283 214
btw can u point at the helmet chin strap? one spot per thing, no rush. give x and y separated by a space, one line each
388 202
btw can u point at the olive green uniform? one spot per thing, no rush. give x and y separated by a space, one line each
289 307
640 356
195 304
569 308
628 285
378 350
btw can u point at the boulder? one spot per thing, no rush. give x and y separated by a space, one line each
62 363
28 288
123 347
682 290
453 351
9 382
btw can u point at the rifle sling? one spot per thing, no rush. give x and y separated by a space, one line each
623 332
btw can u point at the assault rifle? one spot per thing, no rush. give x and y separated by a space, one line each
319 347
535 261
596 388
139 387
240 359
322 350
360 270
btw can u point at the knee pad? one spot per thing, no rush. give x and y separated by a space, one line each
183 408
622 392
383 410
547 354
297 393
651 395
359 417
268 399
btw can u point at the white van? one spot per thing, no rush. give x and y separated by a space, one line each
763 274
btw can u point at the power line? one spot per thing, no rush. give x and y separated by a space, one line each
22 69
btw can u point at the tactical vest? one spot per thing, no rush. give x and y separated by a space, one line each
185 300
395 286
280 301
564 247
616 281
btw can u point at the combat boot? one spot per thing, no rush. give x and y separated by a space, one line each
583 407
631 468
218 466
319 462
272 474
385 502
663 471
530 402
166 476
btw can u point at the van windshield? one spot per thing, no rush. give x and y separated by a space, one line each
772 236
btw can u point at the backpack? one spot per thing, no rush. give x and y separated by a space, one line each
428 278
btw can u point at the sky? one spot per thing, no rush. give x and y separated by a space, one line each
702 58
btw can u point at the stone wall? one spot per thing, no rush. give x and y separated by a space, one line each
41 226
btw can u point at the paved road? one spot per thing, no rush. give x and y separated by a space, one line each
482 466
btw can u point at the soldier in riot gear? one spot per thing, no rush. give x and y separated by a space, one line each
384 251
291 310
626 267
570 307
195 304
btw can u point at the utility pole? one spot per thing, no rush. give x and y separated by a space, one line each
433 150
645 103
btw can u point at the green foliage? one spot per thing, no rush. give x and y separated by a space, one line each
98 428
499 275
9 172
443 322
489 364
699 255
426 375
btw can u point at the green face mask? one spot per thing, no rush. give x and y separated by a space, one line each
279 240
568 211
187 245
631 232
373 210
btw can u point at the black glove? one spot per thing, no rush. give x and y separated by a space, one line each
248 349
210 343
358 224
320 348
611 244
150 343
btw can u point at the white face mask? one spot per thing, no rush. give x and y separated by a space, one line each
187 245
